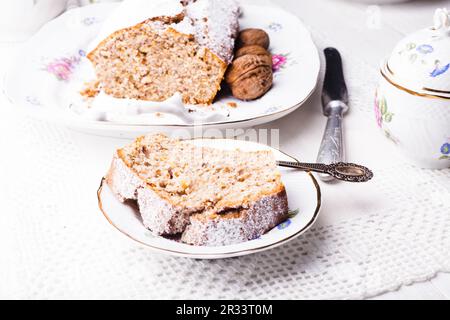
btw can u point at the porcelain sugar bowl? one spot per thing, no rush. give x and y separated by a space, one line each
412 105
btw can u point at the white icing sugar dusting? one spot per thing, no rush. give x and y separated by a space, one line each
122 181
262 216
214 23
217 25
132 12
158 215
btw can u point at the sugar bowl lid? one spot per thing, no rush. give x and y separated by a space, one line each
420 63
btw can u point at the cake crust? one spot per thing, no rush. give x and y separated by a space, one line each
260 217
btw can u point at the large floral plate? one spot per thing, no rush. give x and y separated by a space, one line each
304 199
52 66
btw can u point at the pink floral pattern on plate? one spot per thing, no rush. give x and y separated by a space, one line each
279 61
62 68
275 27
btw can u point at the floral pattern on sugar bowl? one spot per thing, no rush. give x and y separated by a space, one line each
445 151
425 49
63 67
421 54
422 59
415 52
383 116
439 69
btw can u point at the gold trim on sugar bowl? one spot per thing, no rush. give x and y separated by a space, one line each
426 92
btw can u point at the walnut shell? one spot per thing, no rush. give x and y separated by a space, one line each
253 49
250 76
248 37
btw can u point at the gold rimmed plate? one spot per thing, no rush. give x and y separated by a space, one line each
304 203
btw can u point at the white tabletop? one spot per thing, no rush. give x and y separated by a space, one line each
364 35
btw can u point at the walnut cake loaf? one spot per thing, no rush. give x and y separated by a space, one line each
208 196
186 48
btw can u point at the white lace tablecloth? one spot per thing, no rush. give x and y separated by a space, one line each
370 238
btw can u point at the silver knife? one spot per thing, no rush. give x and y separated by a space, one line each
335 104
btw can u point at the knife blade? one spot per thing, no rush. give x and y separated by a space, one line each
335 105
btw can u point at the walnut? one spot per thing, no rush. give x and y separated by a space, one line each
253 49
250 76
248 37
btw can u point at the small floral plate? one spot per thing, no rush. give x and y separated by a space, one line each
304 199
50 70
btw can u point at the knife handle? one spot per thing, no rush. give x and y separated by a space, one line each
332 146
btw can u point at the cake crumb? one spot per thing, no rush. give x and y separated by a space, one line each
91 89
